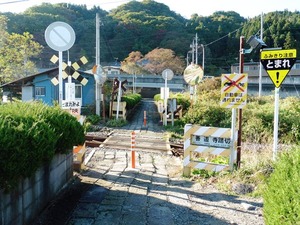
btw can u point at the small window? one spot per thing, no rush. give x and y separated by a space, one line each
78 91
40 91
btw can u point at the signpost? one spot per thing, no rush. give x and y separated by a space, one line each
100 77
277 63
118 87
167 74
160 108
234 95
60 36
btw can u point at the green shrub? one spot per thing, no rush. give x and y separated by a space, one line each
204 173
281 196
131 100
25 145
157 97
93 119
289 114
30 134
182 99
208 114
257 115
116 123
66 126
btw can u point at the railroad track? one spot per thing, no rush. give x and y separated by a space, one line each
94 141
142 143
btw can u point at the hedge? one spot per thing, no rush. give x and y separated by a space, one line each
131 100
30 135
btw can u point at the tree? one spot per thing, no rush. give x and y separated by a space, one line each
3 33
16 55
131 63
290 41
160 59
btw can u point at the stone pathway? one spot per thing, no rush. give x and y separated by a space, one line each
153 193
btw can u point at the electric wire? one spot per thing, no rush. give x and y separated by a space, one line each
10 2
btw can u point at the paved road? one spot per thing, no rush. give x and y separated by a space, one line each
136 122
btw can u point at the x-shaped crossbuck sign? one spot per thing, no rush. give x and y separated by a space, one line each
72 70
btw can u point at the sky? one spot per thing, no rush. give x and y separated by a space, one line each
247 9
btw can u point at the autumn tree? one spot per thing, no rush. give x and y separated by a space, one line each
16 53
132 64
160 59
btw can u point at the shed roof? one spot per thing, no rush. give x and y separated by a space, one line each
16 85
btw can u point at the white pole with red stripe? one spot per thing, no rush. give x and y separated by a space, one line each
132 149
145 118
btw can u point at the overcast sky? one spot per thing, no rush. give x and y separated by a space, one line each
185 8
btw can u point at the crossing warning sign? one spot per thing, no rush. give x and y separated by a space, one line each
234 90
278 63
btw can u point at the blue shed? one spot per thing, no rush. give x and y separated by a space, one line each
41 87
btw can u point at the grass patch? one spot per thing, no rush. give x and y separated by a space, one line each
256 167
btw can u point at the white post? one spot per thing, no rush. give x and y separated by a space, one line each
165 103
119 99
172 110
97 98
233 131
276 119
60 80
193 51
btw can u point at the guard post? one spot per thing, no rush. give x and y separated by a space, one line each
132 149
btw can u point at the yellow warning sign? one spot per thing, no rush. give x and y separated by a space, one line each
279 54
277 76
278 63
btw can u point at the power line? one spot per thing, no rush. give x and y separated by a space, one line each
10 2
112 2
223 37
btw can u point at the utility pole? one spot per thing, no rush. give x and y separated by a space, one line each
97 83
260 65
193 51
203 57
196 46
239 138
97 39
